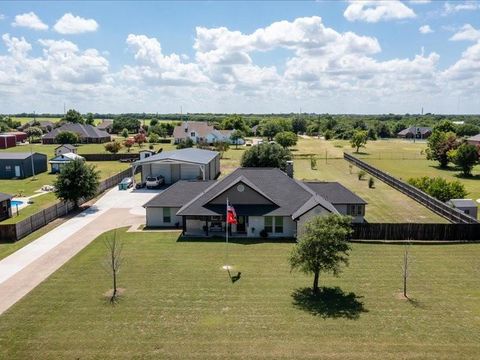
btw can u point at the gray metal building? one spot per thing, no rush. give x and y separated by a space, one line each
21 165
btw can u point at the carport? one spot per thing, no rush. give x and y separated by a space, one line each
182 164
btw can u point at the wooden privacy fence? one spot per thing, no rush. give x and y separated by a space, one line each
453 215
415 231
111 157
15 232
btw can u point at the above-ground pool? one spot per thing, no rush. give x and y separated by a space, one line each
16 203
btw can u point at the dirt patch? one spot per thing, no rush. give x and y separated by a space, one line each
120 292
399 296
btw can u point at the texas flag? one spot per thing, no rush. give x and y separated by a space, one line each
231 215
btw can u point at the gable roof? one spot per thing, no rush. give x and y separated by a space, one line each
66 157
105 124
462 203
4 196
68 146
414 129
179 193
188 155
202 128
17 156
334 192
83 130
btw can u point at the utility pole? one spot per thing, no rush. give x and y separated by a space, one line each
31 154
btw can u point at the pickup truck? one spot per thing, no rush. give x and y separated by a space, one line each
154 181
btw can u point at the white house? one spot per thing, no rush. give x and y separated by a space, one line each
57 162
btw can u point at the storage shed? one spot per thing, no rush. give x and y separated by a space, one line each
183 164
7 141
21 165
468 206
5 206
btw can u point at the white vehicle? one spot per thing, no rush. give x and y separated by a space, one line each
154 181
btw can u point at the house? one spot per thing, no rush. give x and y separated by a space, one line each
5 206
474 140
59 161
264 199
183 164
65 148
222 136
21 165
468 206
45 125
197 131
417 132
86 133
106 125
7 141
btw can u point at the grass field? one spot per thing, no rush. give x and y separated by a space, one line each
178 303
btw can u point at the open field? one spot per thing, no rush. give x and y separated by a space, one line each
178 303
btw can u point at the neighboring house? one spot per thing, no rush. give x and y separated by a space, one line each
86 133
5 206
65 148
197 131
183 164
468 206
21 165
59 161
417 132
106 125
45 125
264 199
7 141
222 136
474 140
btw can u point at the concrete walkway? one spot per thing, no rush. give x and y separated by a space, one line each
29 266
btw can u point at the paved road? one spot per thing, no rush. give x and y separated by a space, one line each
29 266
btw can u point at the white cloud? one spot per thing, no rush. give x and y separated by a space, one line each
29 20
467 32
376 10
2 17
420 1
453 7
71 24
425 29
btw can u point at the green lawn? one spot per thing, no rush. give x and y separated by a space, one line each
178 303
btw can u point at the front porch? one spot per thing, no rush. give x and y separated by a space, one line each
214 226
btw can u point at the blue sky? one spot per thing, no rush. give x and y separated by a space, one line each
323 56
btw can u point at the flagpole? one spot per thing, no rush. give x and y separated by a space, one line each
227 267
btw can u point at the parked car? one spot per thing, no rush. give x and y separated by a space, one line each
140 185
154 181
125 184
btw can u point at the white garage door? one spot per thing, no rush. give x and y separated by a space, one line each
164 170
189 172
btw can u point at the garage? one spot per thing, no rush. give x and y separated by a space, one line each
182 164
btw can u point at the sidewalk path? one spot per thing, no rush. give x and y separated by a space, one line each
29 266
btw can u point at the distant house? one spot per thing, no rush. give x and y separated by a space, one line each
266 200
474 140
417 132
21 165
5 206
199 131
7 141
59 161
86 133
64 149
45 125
468 206
222 136
106 125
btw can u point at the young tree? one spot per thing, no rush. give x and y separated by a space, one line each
465 157
66 137
89 119
125 133
33 132
359 139
113 261
405 271
76 180
236 136
153 138
438 146
266 155
322 247
73 116
286 139
128 143
222 147
139 139
113 147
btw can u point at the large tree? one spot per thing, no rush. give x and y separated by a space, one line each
66 137
271 128
89 119
465 157
76 180
266 155
439 188
299 125
286 139
236 136
323 246
73 116
33 132
359 139
438 146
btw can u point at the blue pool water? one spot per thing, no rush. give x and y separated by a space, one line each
16 203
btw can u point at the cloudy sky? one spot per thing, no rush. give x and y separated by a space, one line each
247 57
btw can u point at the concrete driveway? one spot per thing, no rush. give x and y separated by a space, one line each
30 265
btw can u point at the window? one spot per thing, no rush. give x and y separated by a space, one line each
278 224
166 215
467 212
268 224
8 168
192 134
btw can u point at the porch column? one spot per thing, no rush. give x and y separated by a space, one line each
206 226
184 225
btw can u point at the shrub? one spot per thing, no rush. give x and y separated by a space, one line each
313 163
263 233
113 147
439 188
371 183
361 174
154 138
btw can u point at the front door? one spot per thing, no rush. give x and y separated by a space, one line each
17 171
241 224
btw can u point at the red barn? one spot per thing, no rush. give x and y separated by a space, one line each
7 141
20 136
